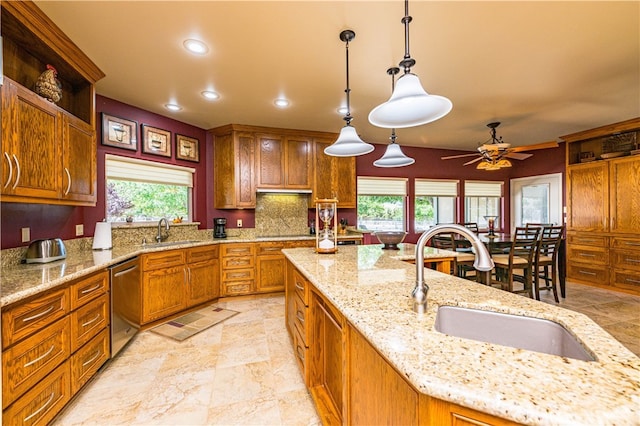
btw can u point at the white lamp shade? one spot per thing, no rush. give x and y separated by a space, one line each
393 157
348 144
409 105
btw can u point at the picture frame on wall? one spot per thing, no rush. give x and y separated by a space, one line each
187 148
119 132
156 141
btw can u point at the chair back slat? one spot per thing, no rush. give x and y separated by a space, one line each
525 243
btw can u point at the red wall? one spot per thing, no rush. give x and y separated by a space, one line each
47 221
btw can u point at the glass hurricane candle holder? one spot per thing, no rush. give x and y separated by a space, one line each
491 224
327 225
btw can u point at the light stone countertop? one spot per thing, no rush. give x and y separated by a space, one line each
372 288
20 281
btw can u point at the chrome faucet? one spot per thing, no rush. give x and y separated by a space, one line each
483 261
161 237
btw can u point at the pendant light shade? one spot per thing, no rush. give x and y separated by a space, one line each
409 105
348 143
393 157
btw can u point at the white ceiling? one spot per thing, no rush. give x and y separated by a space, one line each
544 69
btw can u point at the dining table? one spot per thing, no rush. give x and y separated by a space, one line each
499 241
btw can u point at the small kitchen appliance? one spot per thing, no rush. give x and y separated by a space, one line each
219 224
43 251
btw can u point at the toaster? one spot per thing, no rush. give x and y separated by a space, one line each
43 251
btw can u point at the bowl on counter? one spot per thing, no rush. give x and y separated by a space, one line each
390 239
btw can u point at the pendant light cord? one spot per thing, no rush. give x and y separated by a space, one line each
347 36
392 72
407 62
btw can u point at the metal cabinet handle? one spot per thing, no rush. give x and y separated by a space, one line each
300 353
631 260
17 172
300 316
10 169
587 255
299 287
36 316
89 290
40 358
631 243
39 410
69 181
587 273
91 321
93 358
631 280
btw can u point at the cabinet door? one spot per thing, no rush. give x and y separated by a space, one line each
271 273
204 283
322 182
245 186
79 162
625 195
163 293
298 156
270 161
344 182
31 141
233 171
588 197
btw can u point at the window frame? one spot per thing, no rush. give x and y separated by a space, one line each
484 189
383 187
436 188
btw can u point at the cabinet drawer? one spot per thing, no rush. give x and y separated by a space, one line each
301 243
625 243
238 262
43 402
300 350
272 247
202 254
587 254
165 259
301 287
87 321
88 289
588 240
27 318
238 275
24 364
235 288
227 250
585 272
626 280
300 319
625 259
86 362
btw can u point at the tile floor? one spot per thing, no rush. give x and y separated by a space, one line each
243 371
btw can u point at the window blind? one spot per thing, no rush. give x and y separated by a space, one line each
382 186
436 188
133 169
482 189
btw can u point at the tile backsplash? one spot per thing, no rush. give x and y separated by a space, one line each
282 215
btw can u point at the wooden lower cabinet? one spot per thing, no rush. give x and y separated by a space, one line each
238 269
163 293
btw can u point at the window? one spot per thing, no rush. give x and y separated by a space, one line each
146 191
381 203
435 202
481 199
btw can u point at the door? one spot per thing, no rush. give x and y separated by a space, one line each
536 199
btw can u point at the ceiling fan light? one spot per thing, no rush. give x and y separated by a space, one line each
484 165
393 157
348 144
503 163
409 105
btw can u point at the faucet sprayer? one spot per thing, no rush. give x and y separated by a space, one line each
160 237
483 261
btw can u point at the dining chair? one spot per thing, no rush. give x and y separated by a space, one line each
519 264
547 259
472 226
463 263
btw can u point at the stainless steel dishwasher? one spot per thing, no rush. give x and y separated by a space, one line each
125 303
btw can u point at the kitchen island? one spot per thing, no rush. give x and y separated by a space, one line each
370 288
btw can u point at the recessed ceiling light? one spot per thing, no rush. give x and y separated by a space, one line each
173 107
196 46
281 103
211 95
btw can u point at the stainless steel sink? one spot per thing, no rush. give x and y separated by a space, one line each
170 243
533 334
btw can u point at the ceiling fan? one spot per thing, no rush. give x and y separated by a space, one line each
494 153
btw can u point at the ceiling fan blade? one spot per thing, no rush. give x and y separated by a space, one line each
457 156
543 145
517 156
473 161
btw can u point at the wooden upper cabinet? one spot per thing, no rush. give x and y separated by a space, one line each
334 177
48 150
588 197
283 162
624 193
233 169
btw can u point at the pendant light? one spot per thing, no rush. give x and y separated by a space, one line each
348 143
393 156
409 105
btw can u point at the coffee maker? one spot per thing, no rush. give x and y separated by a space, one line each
218 227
